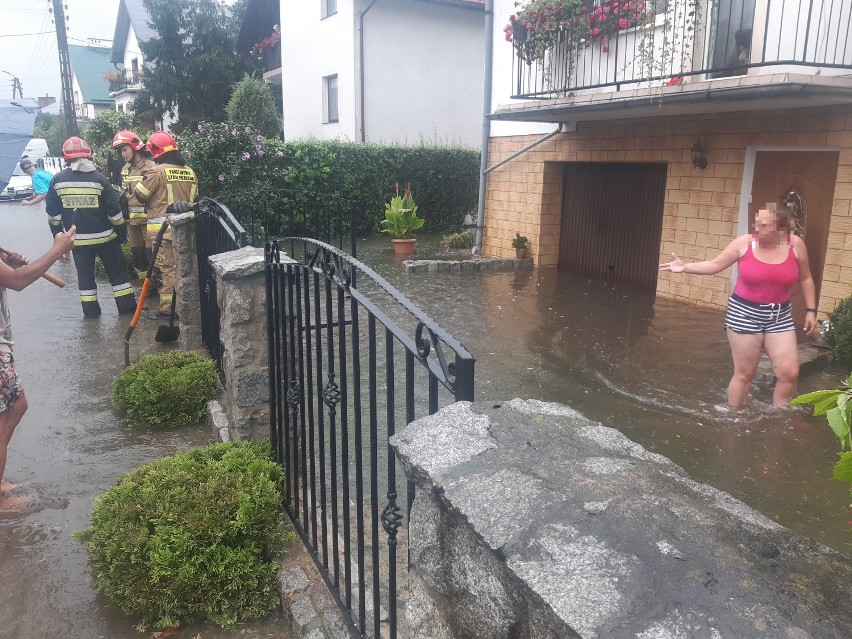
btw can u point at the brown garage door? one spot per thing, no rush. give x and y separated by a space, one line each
612 219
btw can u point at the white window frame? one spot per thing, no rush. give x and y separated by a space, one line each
330 91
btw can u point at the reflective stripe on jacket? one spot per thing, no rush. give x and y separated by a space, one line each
85 199
131 175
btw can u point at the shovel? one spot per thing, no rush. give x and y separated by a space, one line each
144 293
170 333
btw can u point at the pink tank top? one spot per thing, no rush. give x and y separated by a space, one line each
764 283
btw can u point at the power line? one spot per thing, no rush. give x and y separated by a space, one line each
21 35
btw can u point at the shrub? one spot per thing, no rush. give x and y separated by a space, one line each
252 104
166 390
308 186
190 538
100 269
839 336
462 240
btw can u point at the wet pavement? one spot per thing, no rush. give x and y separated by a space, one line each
70 446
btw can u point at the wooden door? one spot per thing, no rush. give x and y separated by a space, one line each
806 179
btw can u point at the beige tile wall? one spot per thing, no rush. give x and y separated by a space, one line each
701 206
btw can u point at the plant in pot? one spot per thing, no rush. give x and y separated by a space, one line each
401 221
521 245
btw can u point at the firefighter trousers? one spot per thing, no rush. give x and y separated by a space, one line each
116 268
165 263
137 236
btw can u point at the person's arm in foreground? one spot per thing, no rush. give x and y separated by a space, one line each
728 256
34 200
17 274
806 282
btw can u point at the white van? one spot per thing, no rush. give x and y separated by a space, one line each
36 150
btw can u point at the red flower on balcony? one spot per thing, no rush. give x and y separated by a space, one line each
267 43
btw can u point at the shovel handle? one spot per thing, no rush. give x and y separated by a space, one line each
50 278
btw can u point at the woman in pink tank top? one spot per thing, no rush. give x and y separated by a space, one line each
760 317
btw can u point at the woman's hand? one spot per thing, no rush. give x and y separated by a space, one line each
810 323
675 266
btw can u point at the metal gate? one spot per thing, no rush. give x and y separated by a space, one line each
350 357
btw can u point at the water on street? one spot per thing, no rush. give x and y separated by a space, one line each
657 370
70 446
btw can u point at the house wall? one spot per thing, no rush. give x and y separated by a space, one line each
702 211
423 78
311 49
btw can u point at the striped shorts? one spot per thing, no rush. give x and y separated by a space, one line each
751 318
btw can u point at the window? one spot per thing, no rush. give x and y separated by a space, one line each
329 98
329 8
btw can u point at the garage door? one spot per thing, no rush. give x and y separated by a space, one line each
612 219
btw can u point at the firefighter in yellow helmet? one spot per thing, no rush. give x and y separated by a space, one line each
138 164
171 180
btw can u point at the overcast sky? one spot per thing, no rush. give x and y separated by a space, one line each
28 41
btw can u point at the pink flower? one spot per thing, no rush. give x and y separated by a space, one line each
245 156
221 178
596 32
623 23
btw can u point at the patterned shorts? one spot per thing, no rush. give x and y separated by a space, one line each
750 318
10 386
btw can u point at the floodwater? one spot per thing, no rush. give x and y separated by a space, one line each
70 446
656 370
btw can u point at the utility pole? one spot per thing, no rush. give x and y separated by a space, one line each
17 90
65 70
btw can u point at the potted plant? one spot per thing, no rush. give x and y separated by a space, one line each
401 221
520 244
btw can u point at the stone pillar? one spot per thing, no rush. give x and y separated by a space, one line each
186 286
241 295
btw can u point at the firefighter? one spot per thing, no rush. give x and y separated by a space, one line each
138 163
80 195
171 180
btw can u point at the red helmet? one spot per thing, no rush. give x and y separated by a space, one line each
127 137
161 142
74 148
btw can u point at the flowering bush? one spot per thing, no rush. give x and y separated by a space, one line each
114 76
613 16
268 42
541 24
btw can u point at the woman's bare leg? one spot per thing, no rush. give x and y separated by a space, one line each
8 421
783 352
745 350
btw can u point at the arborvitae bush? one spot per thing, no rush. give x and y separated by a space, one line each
252 104
166 390
839 336
191 538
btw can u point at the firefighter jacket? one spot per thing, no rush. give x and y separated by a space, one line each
131 175
87 199
164 184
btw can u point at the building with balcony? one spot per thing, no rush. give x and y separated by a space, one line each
676 119
131 28
406 71
260 36
90 90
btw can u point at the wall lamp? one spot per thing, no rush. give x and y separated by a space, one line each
699 156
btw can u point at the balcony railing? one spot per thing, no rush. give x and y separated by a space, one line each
131 81
659 42
272 57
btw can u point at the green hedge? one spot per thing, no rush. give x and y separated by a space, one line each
839 335
308 185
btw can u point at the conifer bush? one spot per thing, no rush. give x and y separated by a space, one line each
839 336
192 537
166 390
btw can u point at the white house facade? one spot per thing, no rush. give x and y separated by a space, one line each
383 71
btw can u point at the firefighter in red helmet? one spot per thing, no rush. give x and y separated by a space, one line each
171 180
138 164
80 195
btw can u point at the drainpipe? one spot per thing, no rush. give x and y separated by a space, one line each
486 122
544 138
361 67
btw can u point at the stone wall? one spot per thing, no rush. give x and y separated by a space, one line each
186 269
531 521
701 206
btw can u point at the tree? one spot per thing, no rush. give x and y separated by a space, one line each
102 128
192 63
252 104
51 127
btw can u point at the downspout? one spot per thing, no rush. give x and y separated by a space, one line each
361 67
486 122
